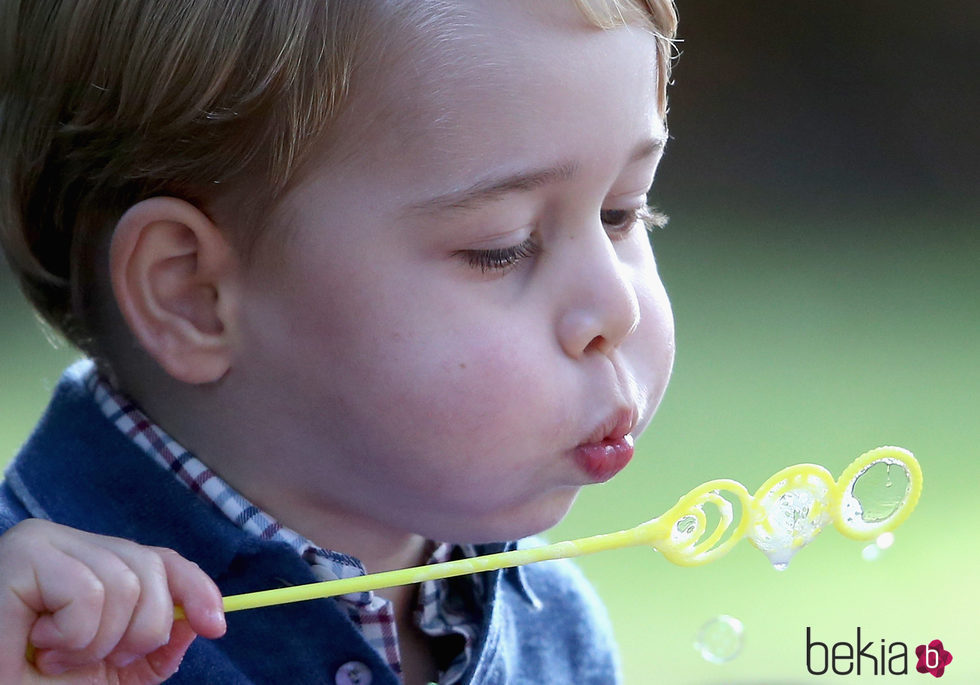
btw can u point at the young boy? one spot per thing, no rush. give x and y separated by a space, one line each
365 284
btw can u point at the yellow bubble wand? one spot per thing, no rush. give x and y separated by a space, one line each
873 495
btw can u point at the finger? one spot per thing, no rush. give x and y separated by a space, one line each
38 580
192 589
68 605
121 591
165 661
152 616
17 617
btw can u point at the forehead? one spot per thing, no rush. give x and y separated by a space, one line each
475 85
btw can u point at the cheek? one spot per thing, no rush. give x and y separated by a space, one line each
656 313
658 319
472 390
461 426
651 348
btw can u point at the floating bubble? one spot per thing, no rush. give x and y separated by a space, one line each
720 639
876 549
871 552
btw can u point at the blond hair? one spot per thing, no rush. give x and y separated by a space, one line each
103 104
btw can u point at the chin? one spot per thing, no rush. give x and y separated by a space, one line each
531 517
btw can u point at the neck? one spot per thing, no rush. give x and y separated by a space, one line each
229 439
280 487
378 547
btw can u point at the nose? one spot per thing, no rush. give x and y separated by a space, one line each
600 307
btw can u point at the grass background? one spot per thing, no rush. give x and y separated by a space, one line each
799 339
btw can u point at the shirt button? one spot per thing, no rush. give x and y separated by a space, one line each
353 673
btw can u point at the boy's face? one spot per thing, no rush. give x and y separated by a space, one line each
459 305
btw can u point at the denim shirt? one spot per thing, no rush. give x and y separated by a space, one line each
541 624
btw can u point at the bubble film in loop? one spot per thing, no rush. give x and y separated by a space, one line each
682 534
877 492
790 510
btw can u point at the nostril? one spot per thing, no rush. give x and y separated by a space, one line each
599 344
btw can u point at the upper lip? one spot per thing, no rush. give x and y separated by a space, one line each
615 427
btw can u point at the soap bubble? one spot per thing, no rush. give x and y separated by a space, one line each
885 540
871 552
874 551
720 639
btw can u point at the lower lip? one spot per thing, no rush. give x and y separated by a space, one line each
602 460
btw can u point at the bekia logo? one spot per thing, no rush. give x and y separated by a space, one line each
932 658
873 658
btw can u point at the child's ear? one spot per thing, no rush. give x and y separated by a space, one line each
173 275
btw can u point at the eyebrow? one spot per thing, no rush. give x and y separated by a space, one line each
486 191
648 148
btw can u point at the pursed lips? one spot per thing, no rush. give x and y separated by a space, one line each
609 448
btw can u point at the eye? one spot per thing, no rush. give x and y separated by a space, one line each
620 221
500 258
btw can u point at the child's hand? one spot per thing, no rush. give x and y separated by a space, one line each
97 609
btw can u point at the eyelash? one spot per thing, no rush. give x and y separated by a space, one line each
503 258
647 215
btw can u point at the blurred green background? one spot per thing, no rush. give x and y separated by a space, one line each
823 261
827 339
